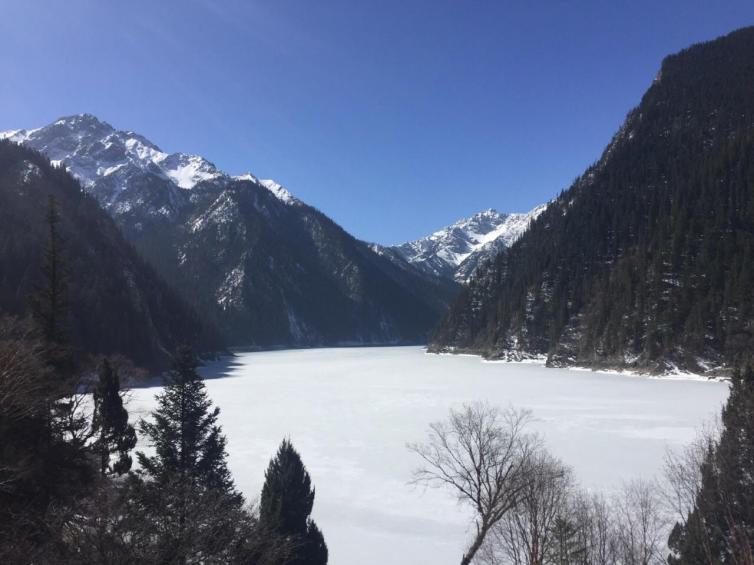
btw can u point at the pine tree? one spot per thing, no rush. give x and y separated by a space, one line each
720 528
185 491
50 301
115 436
49 461
185 434
286 505
567 548
50 312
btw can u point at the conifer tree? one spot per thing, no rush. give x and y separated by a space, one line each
184 432
720 528
52 469
50 301
286 505
192 511
567 548
115 436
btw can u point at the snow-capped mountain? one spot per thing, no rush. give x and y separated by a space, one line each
115 165
131 177
456 250
253 259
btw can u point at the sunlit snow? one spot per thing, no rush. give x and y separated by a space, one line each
458 247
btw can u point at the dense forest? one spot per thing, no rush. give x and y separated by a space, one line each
117 302
647 260
68 493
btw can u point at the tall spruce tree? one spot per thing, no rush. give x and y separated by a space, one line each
115 436
191 509
50 300
44 445
720 528
567 547
286 505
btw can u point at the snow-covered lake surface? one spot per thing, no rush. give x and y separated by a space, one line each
350 413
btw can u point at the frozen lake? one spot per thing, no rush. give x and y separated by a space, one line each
350 413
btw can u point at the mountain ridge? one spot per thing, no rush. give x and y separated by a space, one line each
456 250
257 262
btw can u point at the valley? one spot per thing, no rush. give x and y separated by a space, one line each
381 284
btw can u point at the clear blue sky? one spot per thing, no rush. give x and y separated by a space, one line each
394 117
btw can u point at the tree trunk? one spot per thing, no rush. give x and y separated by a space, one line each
474 547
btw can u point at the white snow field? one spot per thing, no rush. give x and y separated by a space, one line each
350 413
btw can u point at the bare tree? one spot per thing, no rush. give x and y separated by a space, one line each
525 535
483 455
599 529
641 527
22 386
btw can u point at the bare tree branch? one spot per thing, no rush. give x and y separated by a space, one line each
482 454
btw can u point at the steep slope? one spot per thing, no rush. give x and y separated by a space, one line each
648 259
257 262
118 303
455 251
276 271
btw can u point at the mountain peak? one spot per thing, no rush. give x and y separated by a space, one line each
81 119
455 250
112 164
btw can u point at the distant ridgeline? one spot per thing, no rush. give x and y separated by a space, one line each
117 303
647 260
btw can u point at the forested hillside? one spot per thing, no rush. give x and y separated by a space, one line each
274 272
120 303
647 260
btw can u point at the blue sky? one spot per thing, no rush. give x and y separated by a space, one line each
393 117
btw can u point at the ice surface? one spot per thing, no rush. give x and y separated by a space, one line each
350 413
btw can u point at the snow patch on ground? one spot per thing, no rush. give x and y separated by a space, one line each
229 293
29 172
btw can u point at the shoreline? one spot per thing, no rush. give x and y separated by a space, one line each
675 375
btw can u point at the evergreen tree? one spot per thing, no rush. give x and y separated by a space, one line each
191 509
567 546
48 459
115 436
720 528
286 505
50 301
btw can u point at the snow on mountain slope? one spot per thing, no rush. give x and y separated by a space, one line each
120 168
92 149
280 192
456 250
